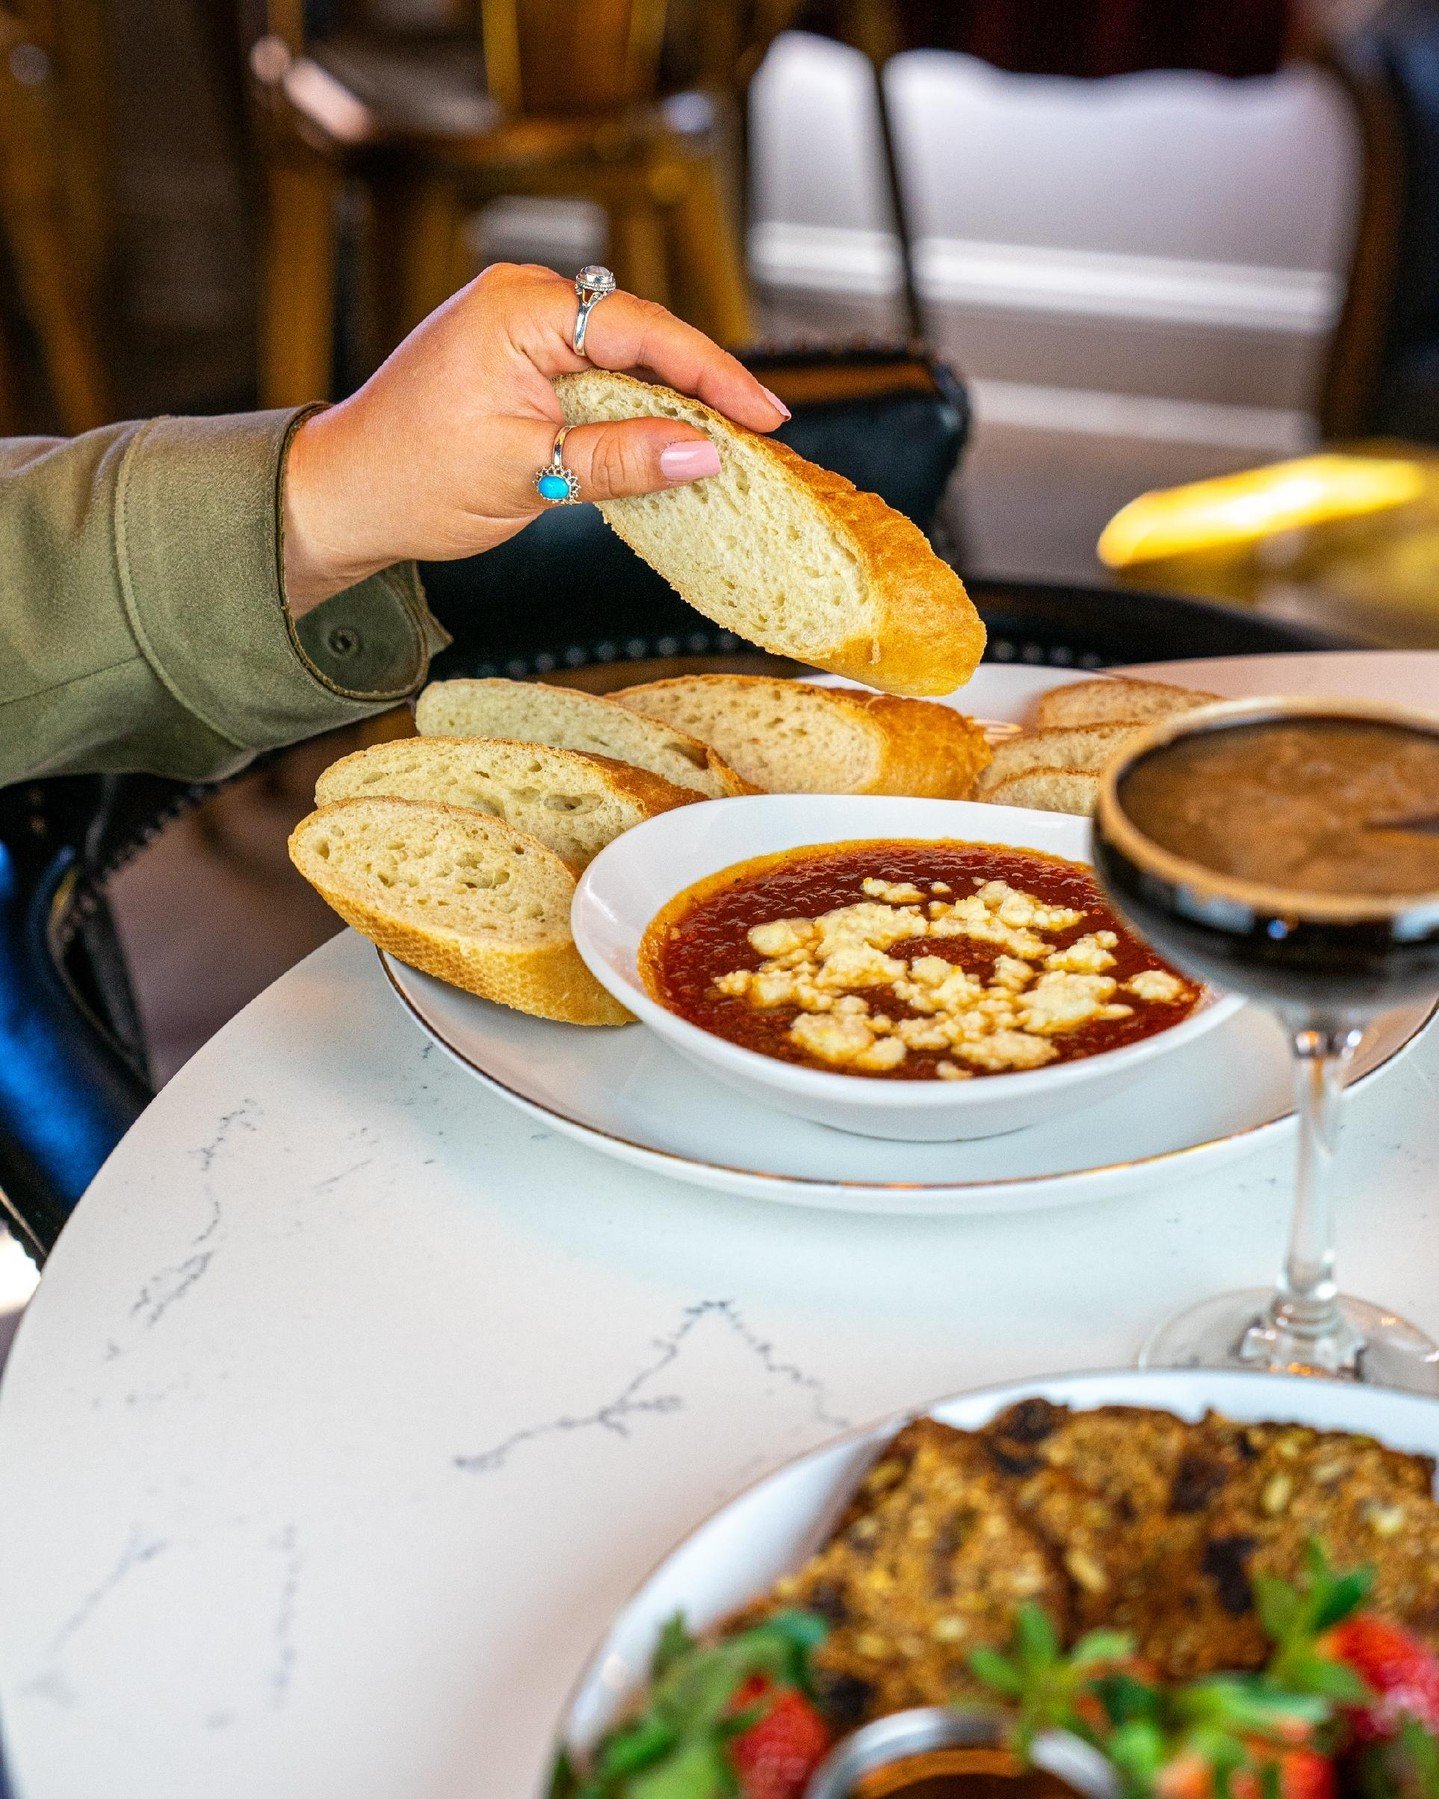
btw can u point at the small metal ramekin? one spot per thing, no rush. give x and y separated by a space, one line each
928 1728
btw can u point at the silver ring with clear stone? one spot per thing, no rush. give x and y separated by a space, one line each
592 284
556 484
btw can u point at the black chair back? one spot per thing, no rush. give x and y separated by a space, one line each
72 1074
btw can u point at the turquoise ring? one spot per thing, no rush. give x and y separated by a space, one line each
555 484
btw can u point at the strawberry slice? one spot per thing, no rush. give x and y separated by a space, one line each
775 1757
1302 1774
1400 1669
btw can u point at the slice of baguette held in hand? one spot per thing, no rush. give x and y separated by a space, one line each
458 895
573 804
792 737
1047 790
1115 699
788 555
530 712
1083 749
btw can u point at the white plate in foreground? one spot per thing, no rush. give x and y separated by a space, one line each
626 1094
771 1528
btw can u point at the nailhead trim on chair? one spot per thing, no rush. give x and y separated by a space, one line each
633 649
711 643
1002 649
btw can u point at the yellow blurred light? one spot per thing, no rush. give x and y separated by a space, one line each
1238 509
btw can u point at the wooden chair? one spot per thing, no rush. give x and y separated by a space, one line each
54 211
547 97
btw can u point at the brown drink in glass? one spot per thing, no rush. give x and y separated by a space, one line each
1288 850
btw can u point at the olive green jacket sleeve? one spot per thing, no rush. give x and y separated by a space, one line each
142 616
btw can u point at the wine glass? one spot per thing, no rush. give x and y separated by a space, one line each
1289 850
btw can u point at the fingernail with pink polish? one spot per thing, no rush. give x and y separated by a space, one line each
776 402
689 461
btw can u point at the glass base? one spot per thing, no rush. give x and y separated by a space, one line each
1238 1330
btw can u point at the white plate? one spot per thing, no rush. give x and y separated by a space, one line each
628 881
625 1095
770 1529
1006 690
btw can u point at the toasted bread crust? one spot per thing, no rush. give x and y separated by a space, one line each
931 752
1082 749
547 982
440 695
925 637
650 794
1047 790
1114 699
650 791
928 638
547 979
923 750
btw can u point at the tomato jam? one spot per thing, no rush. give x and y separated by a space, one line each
960 1774
850 982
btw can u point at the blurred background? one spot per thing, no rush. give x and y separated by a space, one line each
1131 224
1159 241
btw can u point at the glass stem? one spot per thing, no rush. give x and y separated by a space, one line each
1306 1303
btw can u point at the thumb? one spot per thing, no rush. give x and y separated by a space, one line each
636 456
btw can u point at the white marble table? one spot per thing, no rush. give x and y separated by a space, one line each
352 1401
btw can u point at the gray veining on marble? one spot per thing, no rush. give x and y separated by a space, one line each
170 1284
50 1680
292 1561
634 1401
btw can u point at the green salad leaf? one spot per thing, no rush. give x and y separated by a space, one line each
675 1747
1229 1723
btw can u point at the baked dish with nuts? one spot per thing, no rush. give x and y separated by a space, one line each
910 960
1220 1608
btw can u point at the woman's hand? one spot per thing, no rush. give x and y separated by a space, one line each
436 455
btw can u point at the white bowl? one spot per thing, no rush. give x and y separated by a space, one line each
774 1526
628 882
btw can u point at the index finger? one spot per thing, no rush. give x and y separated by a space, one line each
626 332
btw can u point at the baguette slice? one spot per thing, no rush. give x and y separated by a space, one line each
530 712
573 804
791 737
1113 699
1048 790
1082 749
789 555
458 895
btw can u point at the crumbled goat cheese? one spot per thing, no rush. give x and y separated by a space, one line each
1086 955
1063 1002
1156 985
1035 991
849 1041
893 893
1007 1050
781 937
